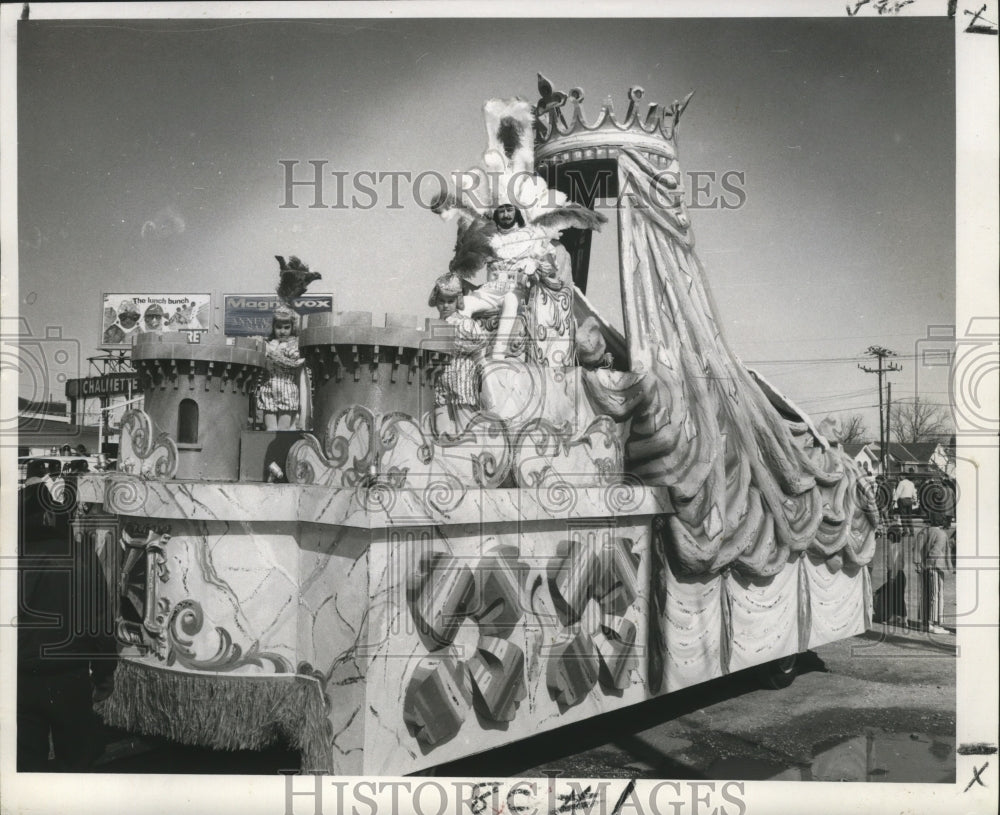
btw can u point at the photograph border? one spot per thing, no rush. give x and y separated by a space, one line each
976 317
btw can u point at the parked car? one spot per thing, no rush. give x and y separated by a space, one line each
32 469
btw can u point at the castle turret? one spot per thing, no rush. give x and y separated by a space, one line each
197 397
387 368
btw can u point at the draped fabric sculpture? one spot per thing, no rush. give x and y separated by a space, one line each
749 476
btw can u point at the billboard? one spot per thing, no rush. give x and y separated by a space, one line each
249 315
125 316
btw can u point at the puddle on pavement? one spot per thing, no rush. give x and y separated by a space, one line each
872 756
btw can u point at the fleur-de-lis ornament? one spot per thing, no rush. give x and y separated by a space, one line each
549 100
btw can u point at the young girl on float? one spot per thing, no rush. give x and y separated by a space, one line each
457 384
279 396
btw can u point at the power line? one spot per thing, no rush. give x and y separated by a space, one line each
880 353
853 337
830 396
844 410
816 360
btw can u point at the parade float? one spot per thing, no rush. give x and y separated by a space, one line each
507 517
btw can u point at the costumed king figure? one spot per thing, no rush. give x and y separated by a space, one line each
509 220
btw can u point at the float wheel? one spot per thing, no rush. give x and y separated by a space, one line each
778 674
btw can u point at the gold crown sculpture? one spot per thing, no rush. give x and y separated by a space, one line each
561 139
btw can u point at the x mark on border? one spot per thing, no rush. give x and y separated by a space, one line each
976 776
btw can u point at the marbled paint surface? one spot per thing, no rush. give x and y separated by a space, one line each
390 747
268 599
336 602
227 596
333 629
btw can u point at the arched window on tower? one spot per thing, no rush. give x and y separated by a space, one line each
187 422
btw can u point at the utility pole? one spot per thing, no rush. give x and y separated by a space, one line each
888 412
880 353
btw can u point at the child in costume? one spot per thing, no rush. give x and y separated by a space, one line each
458 383
278 397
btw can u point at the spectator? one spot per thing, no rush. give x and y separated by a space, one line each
904 498
889 600
76 467
65 653
932 555
894 531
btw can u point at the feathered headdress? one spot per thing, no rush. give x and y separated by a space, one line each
506 177
294 278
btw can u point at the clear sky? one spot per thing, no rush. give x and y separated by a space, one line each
149 161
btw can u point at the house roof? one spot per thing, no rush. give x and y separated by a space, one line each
919 454
913 452
50 407
33 432
854 448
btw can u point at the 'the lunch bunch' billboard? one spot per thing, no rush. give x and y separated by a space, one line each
249 315
126 316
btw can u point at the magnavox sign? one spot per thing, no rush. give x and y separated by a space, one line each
107 385
249 315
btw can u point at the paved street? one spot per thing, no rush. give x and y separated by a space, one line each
878 708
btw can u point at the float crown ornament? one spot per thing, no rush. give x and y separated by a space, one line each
561 138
